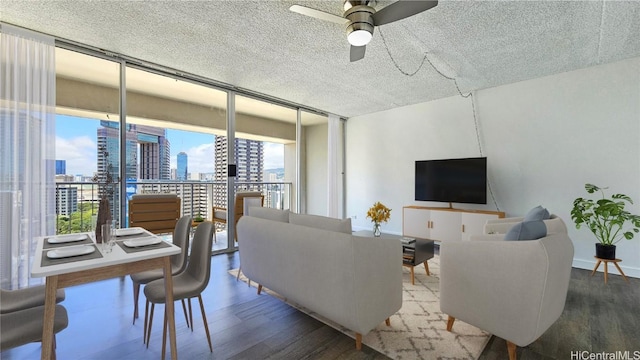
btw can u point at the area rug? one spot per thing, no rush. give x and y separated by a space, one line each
418 329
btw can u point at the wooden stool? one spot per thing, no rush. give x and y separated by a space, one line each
606 267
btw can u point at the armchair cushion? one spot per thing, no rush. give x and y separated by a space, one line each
527 230
537 213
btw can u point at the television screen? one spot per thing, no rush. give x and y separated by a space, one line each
452 180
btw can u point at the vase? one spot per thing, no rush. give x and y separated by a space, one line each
376 229
607 252
104 215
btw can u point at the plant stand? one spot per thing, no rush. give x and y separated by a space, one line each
606 268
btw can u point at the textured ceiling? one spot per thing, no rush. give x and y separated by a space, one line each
263 47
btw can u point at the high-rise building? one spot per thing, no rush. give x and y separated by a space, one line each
155 152
153 161
182 171
249 155
66 200
61 167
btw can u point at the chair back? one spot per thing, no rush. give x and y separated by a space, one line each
199 266
157 213
181 240
244 200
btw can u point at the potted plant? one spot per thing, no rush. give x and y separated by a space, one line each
606 218
198 218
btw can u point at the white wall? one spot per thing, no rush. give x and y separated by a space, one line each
544 139
316 177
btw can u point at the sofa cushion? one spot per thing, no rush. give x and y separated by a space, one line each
269 213
527 230
537 213
321 222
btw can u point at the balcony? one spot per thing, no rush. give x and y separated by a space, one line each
197 198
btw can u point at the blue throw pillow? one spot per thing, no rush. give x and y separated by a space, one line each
527 230
537 213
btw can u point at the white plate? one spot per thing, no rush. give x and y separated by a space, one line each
142 242
70 251
61 239
129 231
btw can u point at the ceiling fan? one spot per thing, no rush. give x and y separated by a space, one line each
360 18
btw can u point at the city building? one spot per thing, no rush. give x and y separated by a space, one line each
61 167
66 200
152 162
182 161
249 155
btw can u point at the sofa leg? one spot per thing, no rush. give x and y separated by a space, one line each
358 341
512 350
450 321
259 289
388 322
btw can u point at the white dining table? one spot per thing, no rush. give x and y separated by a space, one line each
83 269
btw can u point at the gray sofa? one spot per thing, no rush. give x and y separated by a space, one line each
315 262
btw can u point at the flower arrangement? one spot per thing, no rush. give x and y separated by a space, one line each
379 213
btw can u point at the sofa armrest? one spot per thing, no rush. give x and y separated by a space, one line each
505 220
500 227
494 285
487 237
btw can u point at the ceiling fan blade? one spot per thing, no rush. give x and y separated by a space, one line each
400 10
318 14
357 52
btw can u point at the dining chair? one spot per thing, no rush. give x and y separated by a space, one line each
21 299
188 284
25 326
178 264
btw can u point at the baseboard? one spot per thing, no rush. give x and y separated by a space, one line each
629 271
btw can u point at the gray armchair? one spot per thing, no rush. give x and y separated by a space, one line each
513 289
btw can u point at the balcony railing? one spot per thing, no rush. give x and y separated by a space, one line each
77 202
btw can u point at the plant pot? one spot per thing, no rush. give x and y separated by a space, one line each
605 251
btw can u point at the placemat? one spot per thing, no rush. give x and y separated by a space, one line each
48 262
129 250
46 244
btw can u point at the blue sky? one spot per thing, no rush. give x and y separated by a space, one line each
76 143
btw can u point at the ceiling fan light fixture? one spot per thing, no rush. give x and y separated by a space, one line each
359 37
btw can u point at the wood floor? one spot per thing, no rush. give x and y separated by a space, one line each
597 318
243 325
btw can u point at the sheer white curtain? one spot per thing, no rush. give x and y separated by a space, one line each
27 150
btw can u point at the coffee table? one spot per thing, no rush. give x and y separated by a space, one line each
413 254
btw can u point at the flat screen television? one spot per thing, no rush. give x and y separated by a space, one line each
452 180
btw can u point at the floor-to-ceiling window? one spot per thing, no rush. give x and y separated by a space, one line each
174 127
87 146
174 138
